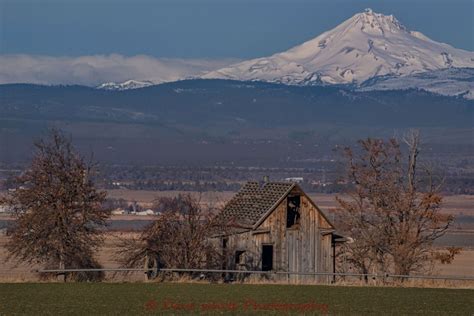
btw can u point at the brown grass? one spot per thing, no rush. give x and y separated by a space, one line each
10 272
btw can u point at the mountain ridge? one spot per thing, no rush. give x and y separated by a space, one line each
126 85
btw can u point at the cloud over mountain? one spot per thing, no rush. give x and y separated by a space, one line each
96 69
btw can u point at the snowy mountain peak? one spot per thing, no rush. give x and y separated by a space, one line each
126 85
371 22
365 46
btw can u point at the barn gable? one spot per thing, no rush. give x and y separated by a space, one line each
255 201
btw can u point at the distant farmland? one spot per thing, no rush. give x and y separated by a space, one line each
453 204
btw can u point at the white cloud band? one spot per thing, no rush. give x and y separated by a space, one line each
96 69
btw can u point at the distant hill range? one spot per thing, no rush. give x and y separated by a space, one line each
239 104
223 119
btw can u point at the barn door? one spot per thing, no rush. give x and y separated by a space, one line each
292 250
325 257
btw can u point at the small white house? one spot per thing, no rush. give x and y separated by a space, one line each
118 211
147 212
4 209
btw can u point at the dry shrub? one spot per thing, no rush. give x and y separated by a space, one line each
180 237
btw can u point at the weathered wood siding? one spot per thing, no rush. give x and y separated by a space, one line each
303 248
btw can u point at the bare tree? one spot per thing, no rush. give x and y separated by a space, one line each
58 211
180 237
392 213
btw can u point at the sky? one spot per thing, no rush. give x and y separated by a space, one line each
91 42
207 28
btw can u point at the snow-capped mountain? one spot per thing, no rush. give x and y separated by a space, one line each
127 85
365 46
450 82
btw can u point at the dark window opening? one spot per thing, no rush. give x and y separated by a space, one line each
224 255
267 257
293 211
239 257
224 243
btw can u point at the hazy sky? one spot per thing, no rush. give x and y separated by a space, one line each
206 29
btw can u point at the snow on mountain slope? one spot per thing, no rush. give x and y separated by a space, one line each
127 85
450 82
365 46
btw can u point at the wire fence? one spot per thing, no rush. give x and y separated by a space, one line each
267 273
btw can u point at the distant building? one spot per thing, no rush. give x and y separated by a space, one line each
118 212
295 179
275 226
4 209
144 213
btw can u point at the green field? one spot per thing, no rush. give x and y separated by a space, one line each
176 298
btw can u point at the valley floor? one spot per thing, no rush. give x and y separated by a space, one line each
123 226
12 272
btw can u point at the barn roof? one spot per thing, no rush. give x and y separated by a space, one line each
254 200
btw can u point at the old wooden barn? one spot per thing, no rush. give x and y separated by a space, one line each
275 226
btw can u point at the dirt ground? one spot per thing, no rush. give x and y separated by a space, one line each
12 272
463 264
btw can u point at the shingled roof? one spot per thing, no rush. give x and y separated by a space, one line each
253 201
